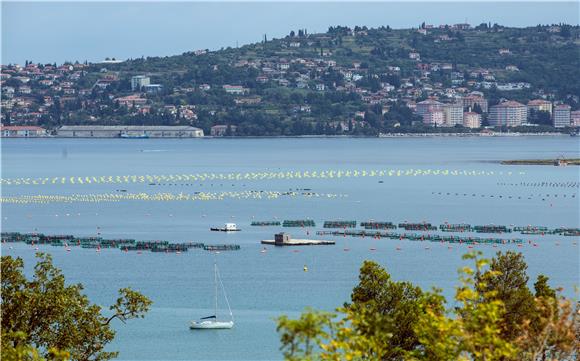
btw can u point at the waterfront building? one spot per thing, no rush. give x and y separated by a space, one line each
472 99
12 131
139 81
222 130
118 131
427 106
509 113
471 120
434 118
575 118
540 105
453 114
562 116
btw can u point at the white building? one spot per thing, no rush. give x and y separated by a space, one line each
434 118
453 114
562 116
139 81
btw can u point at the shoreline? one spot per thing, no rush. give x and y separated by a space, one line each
381 135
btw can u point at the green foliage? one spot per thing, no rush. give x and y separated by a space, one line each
394 308
46 314
390 320
506 281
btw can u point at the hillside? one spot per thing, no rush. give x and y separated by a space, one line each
344 81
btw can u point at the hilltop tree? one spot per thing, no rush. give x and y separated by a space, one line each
47 315
390 320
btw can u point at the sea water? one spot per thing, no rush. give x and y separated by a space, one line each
457 180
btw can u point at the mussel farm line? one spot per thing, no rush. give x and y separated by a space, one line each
100 243
248 176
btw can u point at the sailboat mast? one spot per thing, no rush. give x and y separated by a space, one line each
216 287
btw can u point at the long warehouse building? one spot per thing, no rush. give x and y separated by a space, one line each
128 131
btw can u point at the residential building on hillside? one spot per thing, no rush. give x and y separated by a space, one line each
131 101
472 99
427 106
435 118
235 89
471 120
540 105
453 114
562 116
509 113
139 81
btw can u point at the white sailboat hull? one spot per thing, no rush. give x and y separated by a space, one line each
208 325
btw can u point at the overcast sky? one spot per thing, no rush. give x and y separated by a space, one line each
59 31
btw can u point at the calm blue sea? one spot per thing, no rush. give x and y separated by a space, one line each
464 183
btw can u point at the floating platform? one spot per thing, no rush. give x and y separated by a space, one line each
299 242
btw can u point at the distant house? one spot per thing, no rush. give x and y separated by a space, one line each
221 130
235 89
131 100
414 55
152 88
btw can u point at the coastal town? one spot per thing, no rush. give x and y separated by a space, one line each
302 84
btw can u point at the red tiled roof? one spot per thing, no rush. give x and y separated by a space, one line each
20 127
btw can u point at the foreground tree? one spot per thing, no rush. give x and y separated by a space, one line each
46 314
389 320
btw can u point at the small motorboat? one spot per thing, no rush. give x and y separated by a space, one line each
228 227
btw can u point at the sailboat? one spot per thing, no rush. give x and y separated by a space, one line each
211 322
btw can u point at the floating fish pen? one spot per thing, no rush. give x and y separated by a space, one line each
420 237
571 232
378 225
299 223
417 226
221 247
531 229
491 228
339 224
455 227
122 244
265 223
172 247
